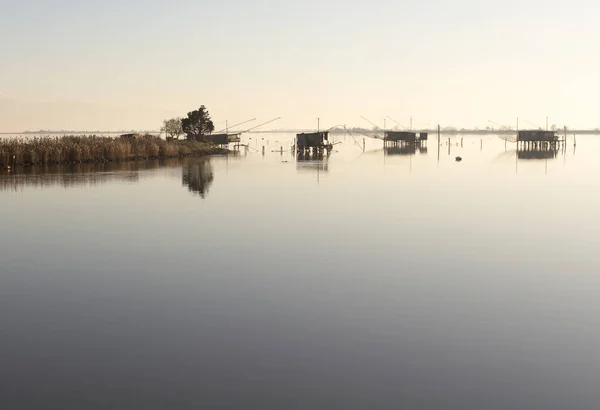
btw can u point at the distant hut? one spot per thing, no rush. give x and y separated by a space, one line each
536 136
536 139
313 142
218 139
400 136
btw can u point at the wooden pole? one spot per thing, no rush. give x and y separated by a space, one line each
438 143
363 145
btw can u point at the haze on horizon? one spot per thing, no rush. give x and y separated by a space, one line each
116 65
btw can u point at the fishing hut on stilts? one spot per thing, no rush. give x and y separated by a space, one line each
537 142
313 143
404 139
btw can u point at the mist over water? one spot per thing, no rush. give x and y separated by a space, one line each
389 279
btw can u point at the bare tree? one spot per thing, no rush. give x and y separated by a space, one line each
172 128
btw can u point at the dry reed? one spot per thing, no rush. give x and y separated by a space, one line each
82 149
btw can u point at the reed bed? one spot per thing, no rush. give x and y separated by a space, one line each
88 149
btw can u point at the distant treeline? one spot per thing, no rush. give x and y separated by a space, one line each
444 130
337 129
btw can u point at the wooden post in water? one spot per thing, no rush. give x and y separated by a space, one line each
281 150
461 142
364 145
448 145
481 147
438 143
263 150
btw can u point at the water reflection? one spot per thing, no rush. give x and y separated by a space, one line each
537 153
312 162
78 175
408 149
97 313
197 175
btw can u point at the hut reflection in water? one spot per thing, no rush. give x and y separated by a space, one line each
408 149
317 161
550 152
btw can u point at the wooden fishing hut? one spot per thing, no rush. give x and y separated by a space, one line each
537 139
313 143
403 138
223 139
218 139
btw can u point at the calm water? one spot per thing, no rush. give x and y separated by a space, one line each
365 281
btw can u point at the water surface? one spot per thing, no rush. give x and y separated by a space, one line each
398 280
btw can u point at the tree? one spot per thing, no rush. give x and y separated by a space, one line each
198 122
172 127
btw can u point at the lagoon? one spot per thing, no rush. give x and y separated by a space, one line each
361 281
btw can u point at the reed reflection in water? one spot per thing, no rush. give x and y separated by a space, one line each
196 174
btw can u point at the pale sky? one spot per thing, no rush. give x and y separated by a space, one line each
129 64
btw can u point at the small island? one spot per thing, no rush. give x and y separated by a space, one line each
127 147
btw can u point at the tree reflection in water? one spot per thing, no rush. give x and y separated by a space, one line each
197 175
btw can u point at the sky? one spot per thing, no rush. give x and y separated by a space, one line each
129 64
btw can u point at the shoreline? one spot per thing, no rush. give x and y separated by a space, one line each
20 152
